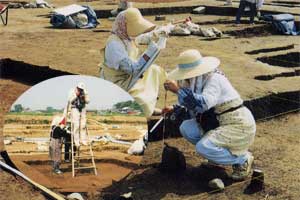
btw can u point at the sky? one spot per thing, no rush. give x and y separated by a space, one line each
54 92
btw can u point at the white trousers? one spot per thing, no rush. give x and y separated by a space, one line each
78 120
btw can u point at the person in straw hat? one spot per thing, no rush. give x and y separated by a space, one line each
76 113
200 87
122 62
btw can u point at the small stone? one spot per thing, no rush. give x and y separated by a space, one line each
160 18
75 196
216 184
199 10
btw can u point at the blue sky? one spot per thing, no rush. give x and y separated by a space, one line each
54 92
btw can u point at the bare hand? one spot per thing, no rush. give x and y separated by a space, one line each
77 92
171 86
167 109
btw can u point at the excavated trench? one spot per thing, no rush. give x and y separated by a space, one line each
27 73
273 76
263 108
257 31
268 50
288 60
209 10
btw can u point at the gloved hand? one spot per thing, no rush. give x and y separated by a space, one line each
189 100
151 50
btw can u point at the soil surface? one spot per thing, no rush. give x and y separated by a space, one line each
111 167
30 38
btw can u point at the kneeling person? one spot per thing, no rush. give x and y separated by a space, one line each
200 87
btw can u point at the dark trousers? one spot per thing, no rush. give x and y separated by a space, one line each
68 147
241 10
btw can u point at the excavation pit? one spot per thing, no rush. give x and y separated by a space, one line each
268 50
257 31
27 73
288 60
273 76
38 168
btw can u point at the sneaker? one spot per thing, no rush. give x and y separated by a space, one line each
241 172
67 161
57 171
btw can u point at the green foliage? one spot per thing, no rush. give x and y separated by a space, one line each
131 104
18 108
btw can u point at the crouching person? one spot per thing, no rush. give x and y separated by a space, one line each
56 135
200 87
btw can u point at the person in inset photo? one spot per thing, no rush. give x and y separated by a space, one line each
77 101
200 87
57 134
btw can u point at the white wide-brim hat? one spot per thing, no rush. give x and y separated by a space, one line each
192 64
136 23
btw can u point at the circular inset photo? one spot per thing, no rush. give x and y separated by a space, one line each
75 134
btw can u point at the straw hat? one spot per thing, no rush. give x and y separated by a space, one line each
136 23
192 64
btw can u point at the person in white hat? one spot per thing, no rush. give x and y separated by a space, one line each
201 87
76 109
123 63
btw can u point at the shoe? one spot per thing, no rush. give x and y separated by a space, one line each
57 171
67 161
241 172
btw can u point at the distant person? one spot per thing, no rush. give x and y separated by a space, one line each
251 4
78 99
201 87
123 5
56 135
259 5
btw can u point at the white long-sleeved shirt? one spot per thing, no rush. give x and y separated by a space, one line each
216 90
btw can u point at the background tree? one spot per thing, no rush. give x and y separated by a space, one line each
18 108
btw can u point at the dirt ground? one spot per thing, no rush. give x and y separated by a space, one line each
29 38
111 167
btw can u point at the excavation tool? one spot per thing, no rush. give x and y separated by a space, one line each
49 193
154 56
80 153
